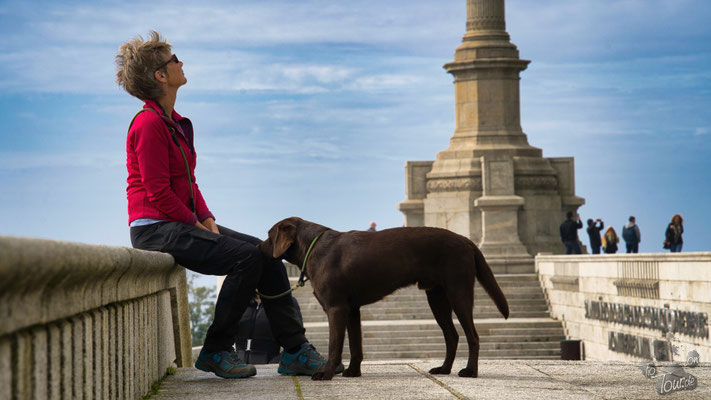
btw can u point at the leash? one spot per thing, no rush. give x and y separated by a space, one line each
302 277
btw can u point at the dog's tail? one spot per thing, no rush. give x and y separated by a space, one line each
488 282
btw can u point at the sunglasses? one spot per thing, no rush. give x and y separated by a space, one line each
172 58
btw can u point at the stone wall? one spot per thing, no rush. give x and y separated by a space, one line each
88 322
624 307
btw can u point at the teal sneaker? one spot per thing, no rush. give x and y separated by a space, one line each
225 364
306 361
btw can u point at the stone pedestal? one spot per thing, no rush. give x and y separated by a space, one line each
415 191
490 184
499 207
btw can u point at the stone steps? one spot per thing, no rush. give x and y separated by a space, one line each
525 301
421 302
440 346
423 305
479 298
539 338
462 354
424 309
512 326
380 342
424 335
410 310
306 303
426 315
402 326
501 279
437 337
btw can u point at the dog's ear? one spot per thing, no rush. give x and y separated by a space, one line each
283 238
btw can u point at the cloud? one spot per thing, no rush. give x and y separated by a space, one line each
289 47
90 70
53 69
384 82
245 22
239 71
31 160
552 30
320 73
230 46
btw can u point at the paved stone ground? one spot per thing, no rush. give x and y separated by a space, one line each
408 379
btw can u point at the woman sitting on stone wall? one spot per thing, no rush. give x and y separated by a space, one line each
168 213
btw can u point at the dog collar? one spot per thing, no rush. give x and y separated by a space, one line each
302 278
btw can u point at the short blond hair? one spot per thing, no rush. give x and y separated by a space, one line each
136 63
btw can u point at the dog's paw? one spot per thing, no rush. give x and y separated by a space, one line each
322 376
467 373
440 371
351 372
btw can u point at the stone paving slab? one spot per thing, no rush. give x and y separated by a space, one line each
408 379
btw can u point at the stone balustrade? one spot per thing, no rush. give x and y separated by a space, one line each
82 321
624 307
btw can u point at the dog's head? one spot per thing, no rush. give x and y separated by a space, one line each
281 237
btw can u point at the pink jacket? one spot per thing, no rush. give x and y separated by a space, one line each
157 182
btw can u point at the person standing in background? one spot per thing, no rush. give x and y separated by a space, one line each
569 233
594 228
632 235
372 227
673 234
610 240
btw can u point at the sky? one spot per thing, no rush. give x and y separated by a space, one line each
312 108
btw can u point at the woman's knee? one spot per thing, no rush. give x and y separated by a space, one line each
239 236
250 263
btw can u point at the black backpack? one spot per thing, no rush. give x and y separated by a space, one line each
255 342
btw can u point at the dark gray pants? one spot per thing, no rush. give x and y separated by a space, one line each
632 247
235 255
572 247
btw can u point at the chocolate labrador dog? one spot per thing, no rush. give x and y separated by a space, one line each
351 269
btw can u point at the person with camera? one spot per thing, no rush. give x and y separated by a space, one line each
594 228
569 233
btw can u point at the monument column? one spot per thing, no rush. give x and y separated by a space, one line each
490 184
486 71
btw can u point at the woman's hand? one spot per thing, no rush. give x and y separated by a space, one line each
201 226
210 225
